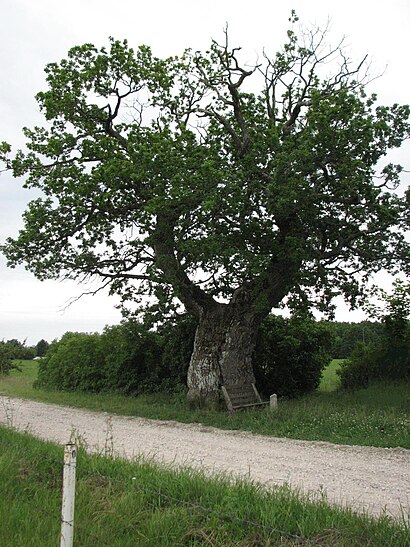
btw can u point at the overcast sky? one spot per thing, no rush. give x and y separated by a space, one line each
35 33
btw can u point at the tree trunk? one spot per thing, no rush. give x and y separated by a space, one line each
223 347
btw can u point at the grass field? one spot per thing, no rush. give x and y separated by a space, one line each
123 504
330 380
377 416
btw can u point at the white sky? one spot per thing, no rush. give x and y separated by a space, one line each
35 33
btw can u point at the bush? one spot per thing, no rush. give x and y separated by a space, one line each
177 346
132 359
141 361
394 350
6 359
127 358
355 373
290 355
76 362
387 358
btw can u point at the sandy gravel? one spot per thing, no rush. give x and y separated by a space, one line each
365 478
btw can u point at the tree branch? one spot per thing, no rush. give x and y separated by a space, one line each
192 296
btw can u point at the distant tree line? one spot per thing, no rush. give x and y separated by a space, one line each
13 350
346 336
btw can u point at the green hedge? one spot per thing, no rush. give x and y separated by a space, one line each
129 358
132 359
290 355
76 362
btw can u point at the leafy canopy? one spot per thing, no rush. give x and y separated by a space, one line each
174 177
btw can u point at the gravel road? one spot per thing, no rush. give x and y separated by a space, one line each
365 478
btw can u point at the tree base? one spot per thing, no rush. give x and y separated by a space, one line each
199 399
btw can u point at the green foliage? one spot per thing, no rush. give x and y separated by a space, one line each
41 348
388 357
6 359
397 310
290 355
13 350
131 359
346 336
19 350
127 358
356 372
76 362
177 345
212 187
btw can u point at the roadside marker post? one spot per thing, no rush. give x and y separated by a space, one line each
67 506
273 402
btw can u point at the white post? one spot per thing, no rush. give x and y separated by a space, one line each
67 509
273 402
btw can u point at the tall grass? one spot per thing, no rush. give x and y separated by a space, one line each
376 416
120 503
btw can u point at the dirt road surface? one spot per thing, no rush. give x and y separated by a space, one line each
376 480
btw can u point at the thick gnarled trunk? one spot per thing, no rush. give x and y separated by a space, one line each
224 343
226 333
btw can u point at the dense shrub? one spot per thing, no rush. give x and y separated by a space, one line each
6 359
177 346
387 358
290 355
126 358
355 373
76 362
394 350
141 361
131 359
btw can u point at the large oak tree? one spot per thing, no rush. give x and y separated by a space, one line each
174 178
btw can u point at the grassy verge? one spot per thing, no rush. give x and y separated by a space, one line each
377 416
121 503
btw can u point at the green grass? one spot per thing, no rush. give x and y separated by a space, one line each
120 503
330 380
377 416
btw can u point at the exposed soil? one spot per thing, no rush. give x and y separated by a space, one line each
376 480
